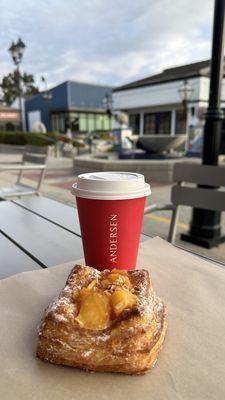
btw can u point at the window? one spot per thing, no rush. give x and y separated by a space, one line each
9 126
99 122
91 122
107 122
180 122
82 122
149 124
134 122
192 111
157 123
53 123
61 123
58 122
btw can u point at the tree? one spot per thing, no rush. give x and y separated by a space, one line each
15 84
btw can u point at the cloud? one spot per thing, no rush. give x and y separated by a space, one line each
103 41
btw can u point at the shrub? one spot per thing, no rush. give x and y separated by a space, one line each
23 138
103 135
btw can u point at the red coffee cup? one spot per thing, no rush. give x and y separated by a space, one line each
110 208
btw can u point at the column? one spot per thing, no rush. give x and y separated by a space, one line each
141 126
173 123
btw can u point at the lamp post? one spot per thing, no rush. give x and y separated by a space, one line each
186 92
205 229
16 50
47 95
107 104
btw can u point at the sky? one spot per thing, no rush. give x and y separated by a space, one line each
104 41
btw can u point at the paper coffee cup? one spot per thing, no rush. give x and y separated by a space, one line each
110 208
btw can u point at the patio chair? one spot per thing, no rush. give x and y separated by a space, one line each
34 158
186 195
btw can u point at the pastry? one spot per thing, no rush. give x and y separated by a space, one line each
104 321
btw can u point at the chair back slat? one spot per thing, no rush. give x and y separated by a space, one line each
34 159
208 199
29 148
199 174
35 154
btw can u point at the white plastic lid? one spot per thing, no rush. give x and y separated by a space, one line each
111 186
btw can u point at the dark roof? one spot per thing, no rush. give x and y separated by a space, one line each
200 68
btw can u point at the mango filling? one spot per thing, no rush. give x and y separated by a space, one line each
102 301
122 299
94 311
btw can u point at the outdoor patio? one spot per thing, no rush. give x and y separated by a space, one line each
112 200
57 184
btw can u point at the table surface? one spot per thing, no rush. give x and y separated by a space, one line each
38 232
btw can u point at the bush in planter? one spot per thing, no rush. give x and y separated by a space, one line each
74 141
23 138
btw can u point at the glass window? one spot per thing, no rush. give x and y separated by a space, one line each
55 122
180 122
111 122
149 124
74 121
134 122
164 123
91 122
82 122
99 122
9 126
107 122
73 115
61 123
157 123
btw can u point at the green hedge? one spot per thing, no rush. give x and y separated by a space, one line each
23 138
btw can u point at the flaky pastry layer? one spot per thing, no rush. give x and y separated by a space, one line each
130 344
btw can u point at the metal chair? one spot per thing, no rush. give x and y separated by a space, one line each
200 197
34 158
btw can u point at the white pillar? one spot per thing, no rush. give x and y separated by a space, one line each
188 120
173 123
187 127
141 126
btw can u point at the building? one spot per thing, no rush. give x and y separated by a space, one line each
74 104
9 119
154 104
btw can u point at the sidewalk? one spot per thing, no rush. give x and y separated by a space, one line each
57 184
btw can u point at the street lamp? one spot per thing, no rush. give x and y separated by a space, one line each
186 92
47 95
16 50
108 103
205 228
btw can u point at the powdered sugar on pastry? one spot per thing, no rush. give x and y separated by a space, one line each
104 321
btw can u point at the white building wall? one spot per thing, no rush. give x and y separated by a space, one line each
165 96
33 116
204 90
153 95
